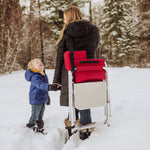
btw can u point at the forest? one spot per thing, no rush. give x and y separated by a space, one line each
30 28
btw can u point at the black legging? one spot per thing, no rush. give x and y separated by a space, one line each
85 116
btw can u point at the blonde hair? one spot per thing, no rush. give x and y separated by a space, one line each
72 14
30 64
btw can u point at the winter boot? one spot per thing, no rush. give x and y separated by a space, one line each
68 126
67 123
84 134
30 125
40 125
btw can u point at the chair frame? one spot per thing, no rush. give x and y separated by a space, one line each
107 106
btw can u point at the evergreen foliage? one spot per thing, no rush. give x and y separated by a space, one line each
54 15
30 28
116 32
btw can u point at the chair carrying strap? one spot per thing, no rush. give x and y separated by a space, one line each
72 54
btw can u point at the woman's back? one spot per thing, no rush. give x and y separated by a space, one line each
84 35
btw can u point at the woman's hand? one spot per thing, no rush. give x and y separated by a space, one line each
55 87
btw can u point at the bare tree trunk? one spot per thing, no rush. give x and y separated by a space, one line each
10 33
9 52
41 36
32 32
90 11
144 30
1 34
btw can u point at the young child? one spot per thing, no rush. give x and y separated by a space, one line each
38 94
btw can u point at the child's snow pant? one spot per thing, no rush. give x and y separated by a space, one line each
37 113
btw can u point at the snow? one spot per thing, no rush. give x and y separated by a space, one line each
98 1
114 33
130 123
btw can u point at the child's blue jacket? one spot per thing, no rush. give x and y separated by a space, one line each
39 87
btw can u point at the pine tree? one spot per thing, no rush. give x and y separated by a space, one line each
55 14
117 36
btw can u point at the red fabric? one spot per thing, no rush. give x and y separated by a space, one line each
85 72
78 55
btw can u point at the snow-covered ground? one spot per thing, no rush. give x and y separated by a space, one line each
130 121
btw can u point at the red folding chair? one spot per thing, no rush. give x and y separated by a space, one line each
89 74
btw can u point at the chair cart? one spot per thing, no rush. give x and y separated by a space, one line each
88 87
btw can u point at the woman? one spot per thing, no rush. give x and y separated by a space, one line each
80 35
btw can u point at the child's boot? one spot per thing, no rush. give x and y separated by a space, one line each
40 125
30 125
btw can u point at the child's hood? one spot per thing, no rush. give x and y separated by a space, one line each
28 74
